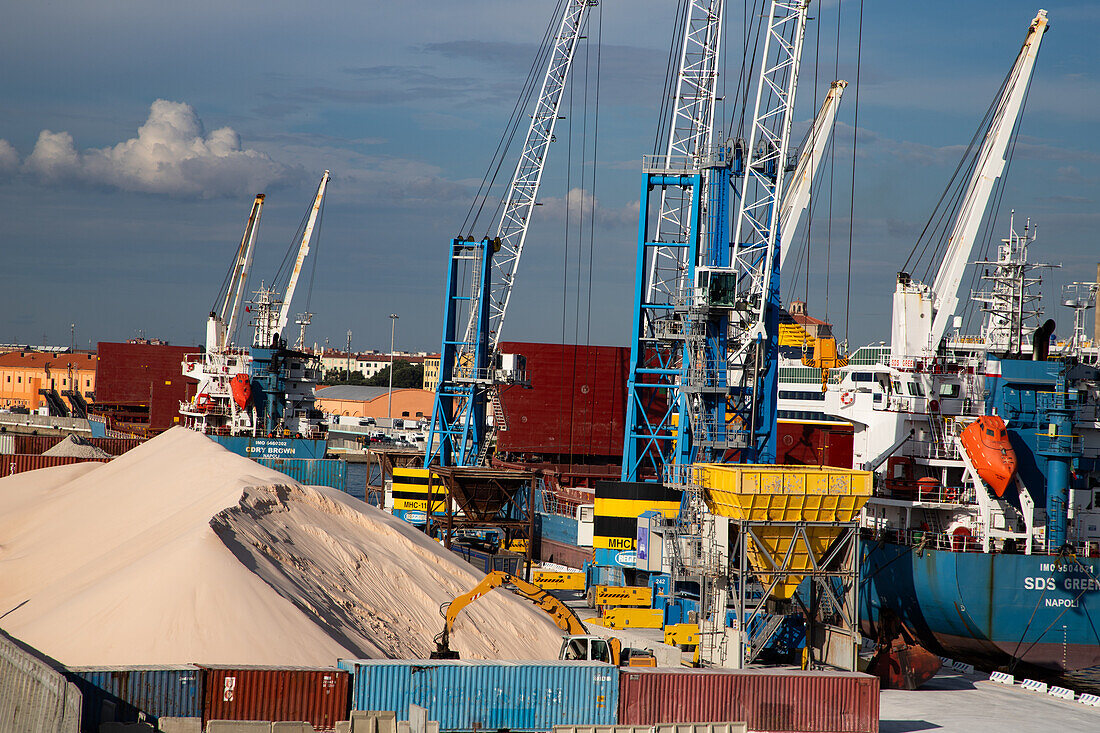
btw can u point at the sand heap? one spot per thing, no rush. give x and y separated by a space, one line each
76 447
180 551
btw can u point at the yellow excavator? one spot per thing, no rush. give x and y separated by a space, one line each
577 643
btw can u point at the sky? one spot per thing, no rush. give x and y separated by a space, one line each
134 134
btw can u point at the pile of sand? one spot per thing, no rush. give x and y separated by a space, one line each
179 551
76 447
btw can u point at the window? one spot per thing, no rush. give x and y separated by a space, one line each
950 390
863 377
87 383
915 389
897 386
405 413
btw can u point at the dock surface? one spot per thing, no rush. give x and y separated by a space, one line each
970 703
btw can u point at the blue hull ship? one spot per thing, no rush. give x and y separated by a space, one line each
990 609
253 447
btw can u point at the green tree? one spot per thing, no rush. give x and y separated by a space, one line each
341 376
405 374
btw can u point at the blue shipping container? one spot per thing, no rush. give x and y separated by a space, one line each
127 694
311 471
468 695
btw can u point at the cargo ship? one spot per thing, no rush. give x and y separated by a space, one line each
984 532
258 401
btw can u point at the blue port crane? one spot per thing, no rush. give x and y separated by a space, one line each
482 273
703 374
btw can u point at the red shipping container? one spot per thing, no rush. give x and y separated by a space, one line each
35 444
778 701
318 695
576 404
18 463
148 377
39 444
808 444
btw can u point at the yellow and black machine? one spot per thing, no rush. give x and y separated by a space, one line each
577 643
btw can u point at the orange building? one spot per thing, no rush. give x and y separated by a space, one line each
355 401
23 374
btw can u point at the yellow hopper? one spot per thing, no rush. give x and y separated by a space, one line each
763 493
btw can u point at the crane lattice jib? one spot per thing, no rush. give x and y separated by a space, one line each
520 200
756 230
690 140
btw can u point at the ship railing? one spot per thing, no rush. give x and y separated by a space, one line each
559 505
927 539
947 495
946 451
1058 443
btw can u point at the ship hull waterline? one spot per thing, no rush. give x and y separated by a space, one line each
991 610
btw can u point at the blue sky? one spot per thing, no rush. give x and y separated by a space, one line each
122 231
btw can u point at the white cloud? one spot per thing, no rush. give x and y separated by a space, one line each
581 202
9 158
170 155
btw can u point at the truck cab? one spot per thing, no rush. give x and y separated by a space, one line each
588 649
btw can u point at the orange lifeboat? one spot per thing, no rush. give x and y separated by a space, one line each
203 402
241 389
986 442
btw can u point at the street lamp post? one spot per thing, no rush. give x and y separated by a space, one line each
389 399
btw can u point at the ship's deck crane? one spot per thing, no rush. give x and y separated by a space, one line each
222 323
471 368
797 196
272 313
921 313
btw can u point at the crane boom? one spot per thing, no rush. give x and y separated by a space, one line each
756 232
989 167
561 614
468 367
519 202
303 250
231 308
797 197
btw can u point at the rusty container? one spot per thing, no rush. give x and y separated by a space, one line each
116 446
11 465
778 701
36 444
39 444
317 695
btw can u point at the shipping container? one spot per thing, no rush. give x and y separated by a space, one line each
143 378
36 445
11 465
467 695
34 695
131 693
576 405
311 471
487 562
317 695
39 444
778 701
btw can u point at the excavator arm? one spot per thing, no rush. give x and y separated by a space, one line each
561 614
